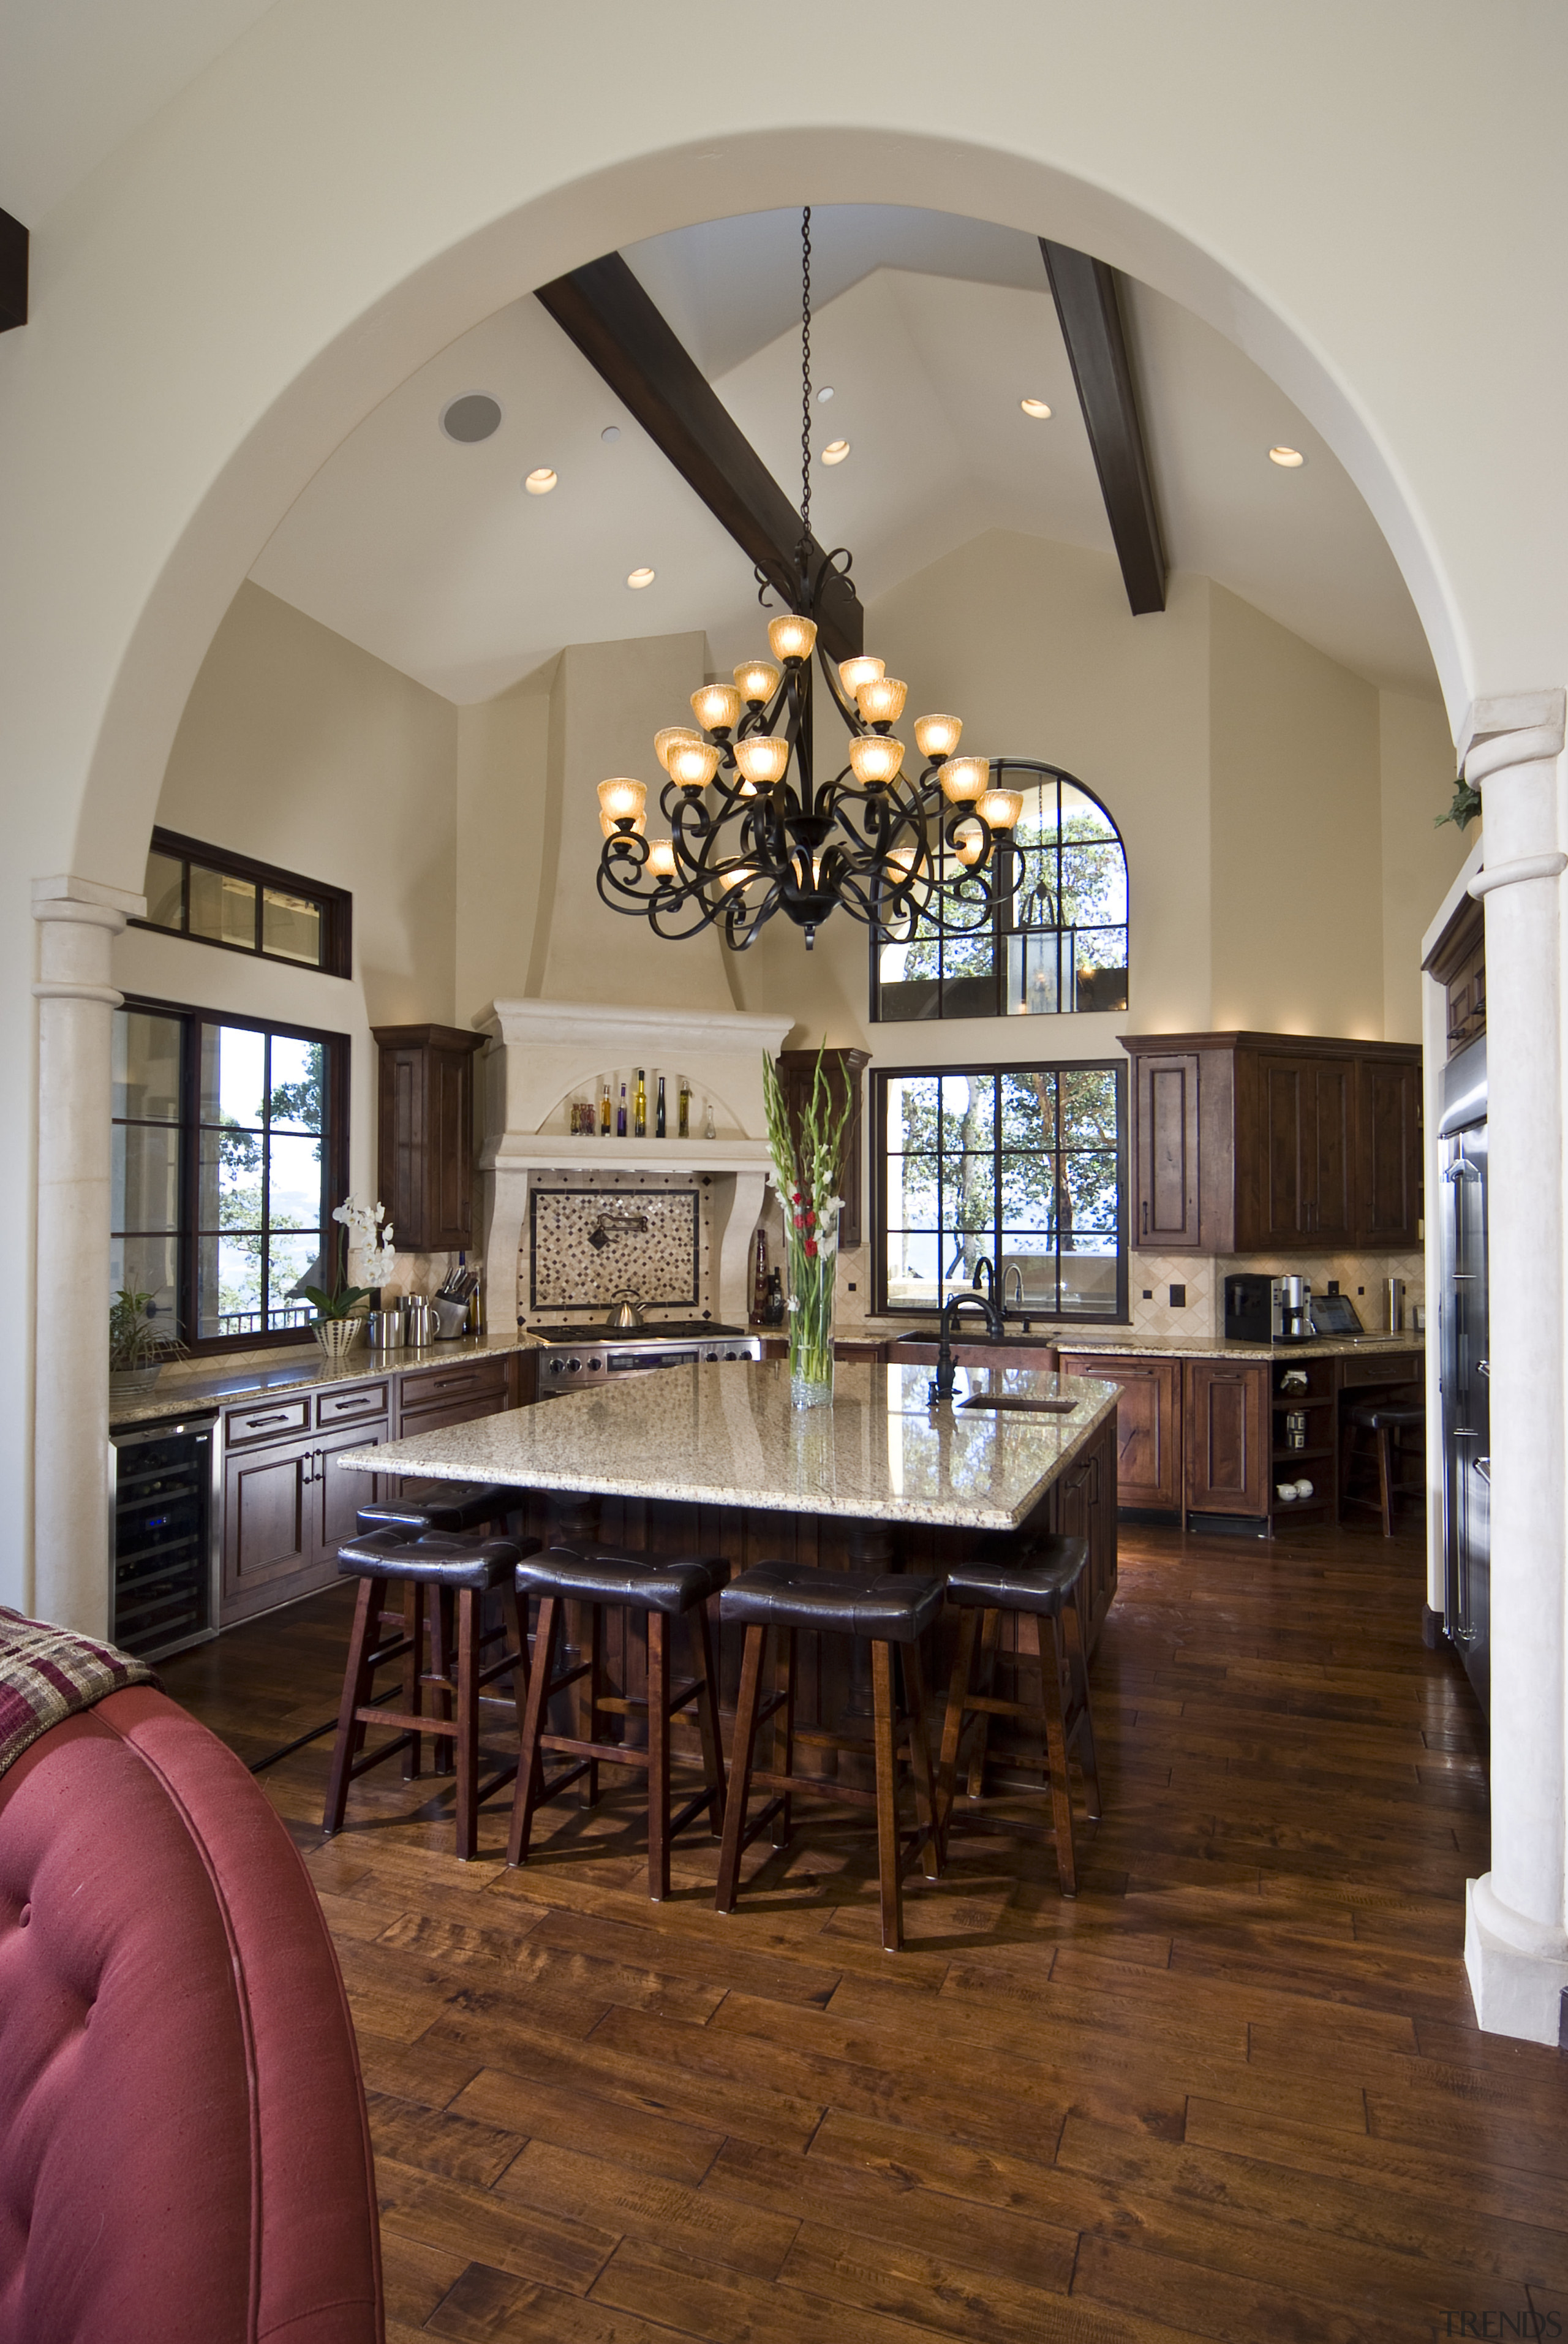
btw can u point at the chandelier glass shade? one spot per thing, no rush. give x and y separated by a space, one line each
748 827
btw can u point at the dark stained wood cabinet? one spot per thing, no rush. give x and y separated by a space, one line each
843 1070
1228 1437
1458 962
1267 1143
426 1135
1149 1466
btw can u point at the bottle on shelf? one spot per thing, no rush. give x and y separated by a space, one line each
604 1110
659 1127
620 1115
684 1125
759 1276
708 1130
640 1120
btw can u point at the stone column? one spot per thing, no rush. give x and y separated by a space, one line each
1516 1943
78 919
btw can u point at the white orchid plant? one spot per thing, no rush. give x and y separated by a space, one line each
371 1257
806 1160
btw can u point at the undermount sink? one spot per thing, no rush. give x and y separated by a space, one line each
1026 1403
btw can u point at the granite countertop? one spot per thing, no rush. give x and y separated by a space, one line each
727 1434
199 1386
1131 1344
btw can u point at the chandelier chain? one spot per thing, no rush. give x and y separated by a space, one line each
805 384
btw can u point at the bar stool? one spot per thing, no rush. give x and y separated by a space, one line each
1384 1420
424 1576
1040 1586
890 1610
441 1506
661 1587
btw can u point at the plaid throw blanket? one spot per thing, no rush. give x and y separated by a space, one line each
47 1673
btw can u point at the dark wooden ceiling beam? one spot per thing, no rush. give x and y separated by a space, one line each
1085 293
13 272
625 337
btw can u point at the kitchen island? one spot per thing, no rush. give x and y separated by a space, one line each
712 1460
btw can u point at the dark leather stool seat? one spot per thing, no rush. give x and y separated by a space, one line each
662 1588
889 1610
441 1506
1384 1421
1038 1583
443 1578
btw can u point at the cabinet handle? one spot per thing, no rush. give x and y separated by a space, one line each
1146 1216
255 1423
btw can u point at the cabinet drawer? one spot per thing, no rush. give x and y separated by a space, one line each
1382 1367
464 1379
265 1420
455 1412
341 1406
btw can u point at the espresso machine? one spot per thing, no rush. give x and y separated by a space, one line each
1263 1309
1291 1301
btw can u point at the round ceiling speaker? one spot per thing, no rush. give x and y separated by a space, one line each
472 417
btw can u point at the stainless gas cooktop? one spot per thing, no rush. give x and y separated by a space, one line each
574 1354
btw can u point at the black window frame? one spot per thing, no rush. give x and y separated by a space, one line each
337 1048
335 904
1004 923
1036 1316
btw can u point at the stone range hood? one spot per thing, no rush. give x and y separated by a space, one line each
543 1054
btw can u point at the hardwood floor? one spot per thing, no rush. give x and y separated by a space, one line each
1234 2091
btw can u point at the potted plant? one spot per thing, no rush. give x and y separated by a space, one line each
339 1317
137 1348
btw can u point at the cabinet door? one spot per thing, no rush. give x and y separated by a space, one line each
1147 1425
1329 1149
1226 1408
1165 1138
1389 1129
1301 1180
268 1524
337 1495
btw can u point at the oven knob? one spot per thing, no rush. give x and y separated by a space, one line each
556 1366
574 1366
711 1356
594 1365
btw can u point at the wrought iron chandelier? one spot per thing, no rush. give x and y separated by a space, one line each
748 836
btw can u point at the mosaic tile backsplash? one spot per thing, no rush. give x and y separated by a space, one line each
588 1244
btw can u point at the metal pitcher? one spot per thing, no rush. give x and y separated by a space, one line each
419 1323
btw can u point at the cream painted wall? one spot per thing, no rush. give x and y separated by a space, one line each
504 819
301 750
1420 860
1295 841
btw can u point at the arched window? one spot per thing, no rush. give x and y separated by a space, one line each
1056 938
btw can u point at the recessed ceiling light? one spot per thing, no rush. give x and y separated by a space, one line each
1288 460
835 452
472 417
1035 407
611 434
825 394
541 482
637 577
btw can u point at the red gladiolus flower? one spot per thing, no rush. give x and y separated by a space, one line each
810 1249
810 1218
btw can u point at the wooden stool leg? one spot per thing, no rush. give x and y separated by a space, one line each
1046 1650
887 1797
742 1757
531 1760
350 1736
657 1756
413 1667
590 1694
443 1665
990 1630
707 1715
784 1734
1385 1478
514 1618
953 1723
467 1802
914 1677
1078 1670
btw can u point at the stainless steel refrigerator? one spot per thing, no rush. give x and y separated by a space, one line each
1464 1371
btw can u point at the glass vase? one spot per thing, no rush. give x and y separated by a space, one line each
811 1333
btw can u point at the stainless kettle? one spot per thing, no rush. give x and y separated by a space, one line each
626 1313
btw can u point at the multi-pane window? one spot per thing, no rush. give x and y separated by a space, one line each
1022 1167
1054 939
229 1153
224 899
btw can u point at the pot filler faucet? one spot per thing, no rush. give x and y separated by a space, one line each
942 1384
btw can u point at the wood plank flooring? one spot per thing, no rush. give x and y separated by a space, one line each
1235 2091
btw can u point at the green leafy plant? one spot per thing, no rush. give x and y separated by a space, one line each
1465 808
341 1303
134 1342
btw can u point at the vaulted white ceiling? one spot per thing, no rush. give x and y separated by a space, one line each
930 330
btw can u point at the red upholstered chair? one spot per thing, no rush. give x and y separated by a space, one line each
184 2157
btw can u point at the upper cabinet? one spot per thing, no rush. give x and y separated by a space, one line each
1458 961
1269 1143
426 1150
